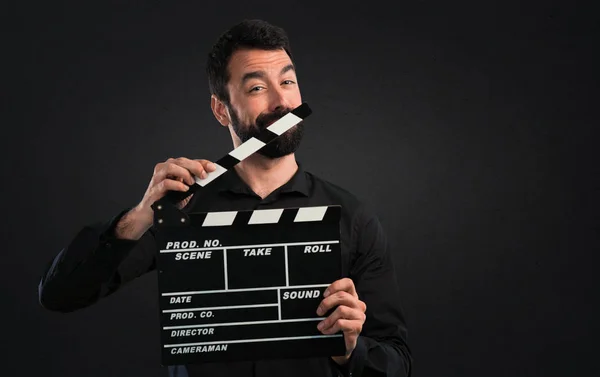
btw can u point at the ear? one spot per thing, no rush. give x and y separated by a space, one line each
220 111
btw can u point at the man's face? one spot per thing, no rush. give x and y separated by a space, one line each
262 88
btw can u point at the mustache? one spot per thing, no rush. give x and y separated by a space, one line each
266 119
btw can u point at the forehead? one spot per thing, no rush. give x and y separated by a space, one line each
248 60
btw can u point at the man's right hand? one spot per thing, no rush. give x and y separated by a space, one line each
168 176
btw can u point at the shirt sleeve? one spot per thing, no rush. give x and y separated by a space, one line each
381 348
94 265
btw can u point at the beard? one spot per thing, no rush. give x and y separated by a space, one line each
285 144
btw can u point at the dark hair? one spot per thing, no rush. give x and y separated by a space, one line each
247 34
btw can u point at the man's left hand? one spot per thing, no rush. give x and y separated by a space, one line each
349 316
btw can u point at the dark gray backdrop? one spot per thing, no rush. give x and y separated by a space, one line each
468 127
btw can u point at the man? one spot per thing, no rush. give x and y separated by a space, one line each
253 82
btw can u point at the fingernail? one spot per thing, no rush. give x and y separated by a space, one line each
319 311
326 293
320 325
212 166
203 175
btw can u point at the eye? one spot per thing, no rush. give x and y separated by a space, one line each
255 89
288 82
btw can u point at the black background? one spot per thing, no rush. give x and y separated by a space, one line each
468 127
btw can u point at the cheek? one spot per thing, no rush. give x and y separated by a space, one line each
296 98
253 109
245 110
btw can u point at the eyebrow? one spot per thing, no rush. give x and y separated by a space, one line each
261 74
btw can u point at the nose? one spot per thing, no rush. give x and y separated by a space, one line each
278 100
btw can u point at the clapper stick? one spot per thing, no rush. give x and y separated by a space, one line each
240 153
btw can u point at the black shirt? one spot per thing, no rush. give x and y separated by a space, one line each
95 264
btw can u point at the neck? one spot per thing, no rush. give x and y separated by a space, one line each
264 175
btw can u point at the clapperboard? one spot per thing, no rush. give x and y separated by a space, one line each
245 285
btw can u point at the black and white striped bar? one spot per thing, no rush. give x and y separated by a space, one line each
246 149
254 144
245 285
266 216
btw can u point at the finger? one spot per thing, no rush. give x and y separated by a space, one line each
193 166
339 298
160 189
344 284
173 171
208 165
347 326
199 168
184 202
342 312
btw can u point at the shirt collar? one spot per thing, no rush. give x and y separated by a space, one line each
232 182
